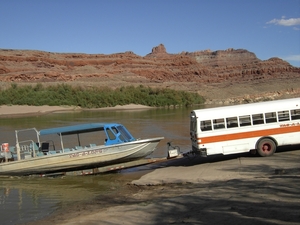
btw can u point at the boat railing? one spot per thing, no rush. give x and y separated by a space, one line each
26 149
30 149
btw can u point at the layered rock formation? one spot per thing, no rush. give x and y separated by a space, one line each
202 68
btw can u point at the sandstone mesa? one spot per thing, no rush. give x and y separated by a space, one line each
225 75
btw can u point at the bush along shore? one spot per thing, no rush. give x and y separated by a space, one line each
93 97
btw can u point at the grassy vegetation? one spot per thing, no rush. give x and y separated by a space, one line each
93 97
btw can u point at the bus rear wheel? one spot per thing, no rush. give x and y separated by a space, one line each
266 147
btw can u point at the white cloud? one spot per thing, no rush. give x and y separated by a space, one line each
285 22
292 58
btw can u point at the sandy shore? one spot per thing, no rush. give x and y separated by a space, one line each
229 190
25 110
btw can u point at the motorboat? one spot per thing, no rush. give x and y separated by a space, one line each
71 148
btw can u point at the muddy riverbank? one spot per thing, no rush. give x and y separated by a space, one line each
238 189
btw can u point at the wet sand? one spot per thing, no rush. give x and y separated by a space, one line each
7 111
25 110
239 189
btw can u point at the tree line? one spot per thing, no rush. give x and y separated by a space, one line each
95 97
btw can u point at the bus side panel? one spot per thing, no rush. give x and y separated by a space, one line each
213 149
236 148
288 139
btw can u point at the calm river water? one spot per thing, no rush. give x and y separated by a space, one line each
24 199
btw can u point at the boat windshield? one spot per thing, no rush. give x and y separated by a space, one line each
127 136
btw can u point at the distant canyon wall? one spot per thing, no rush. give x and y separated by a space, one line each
232 66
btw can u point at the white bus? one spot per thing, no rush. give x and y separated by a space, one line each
259 127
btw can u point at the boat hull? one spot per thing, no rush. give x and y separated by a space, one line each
87 158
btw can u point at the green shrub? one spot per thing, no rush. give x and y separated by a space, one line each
92 97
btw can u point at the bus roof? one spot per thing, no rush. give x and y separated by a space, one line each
247 109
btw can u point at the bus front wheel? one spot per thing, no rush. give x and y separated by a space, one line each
266 147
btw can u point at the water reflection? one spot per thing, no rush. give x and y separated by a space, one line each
26 199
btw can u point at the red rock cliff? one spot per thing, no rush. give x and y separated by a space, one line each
202 67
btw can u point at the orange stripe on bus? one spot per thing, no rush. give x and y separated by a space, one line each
248 134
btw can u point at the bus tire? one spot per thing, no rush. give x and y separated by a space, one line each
266 147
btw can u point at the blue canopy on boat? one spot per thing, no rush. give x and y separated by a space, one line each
81 128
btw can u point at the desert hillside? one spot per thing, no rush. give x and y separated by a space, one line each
232 75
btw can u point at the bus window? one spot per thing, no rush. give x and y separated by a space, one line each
232 122
219 123
244 121
270 117
205 125
258 119
295 114
283 115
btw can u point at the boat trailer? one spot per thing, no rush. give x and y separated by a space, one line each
173 153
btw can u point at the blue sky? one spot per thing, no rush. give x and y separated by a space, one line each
268 28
